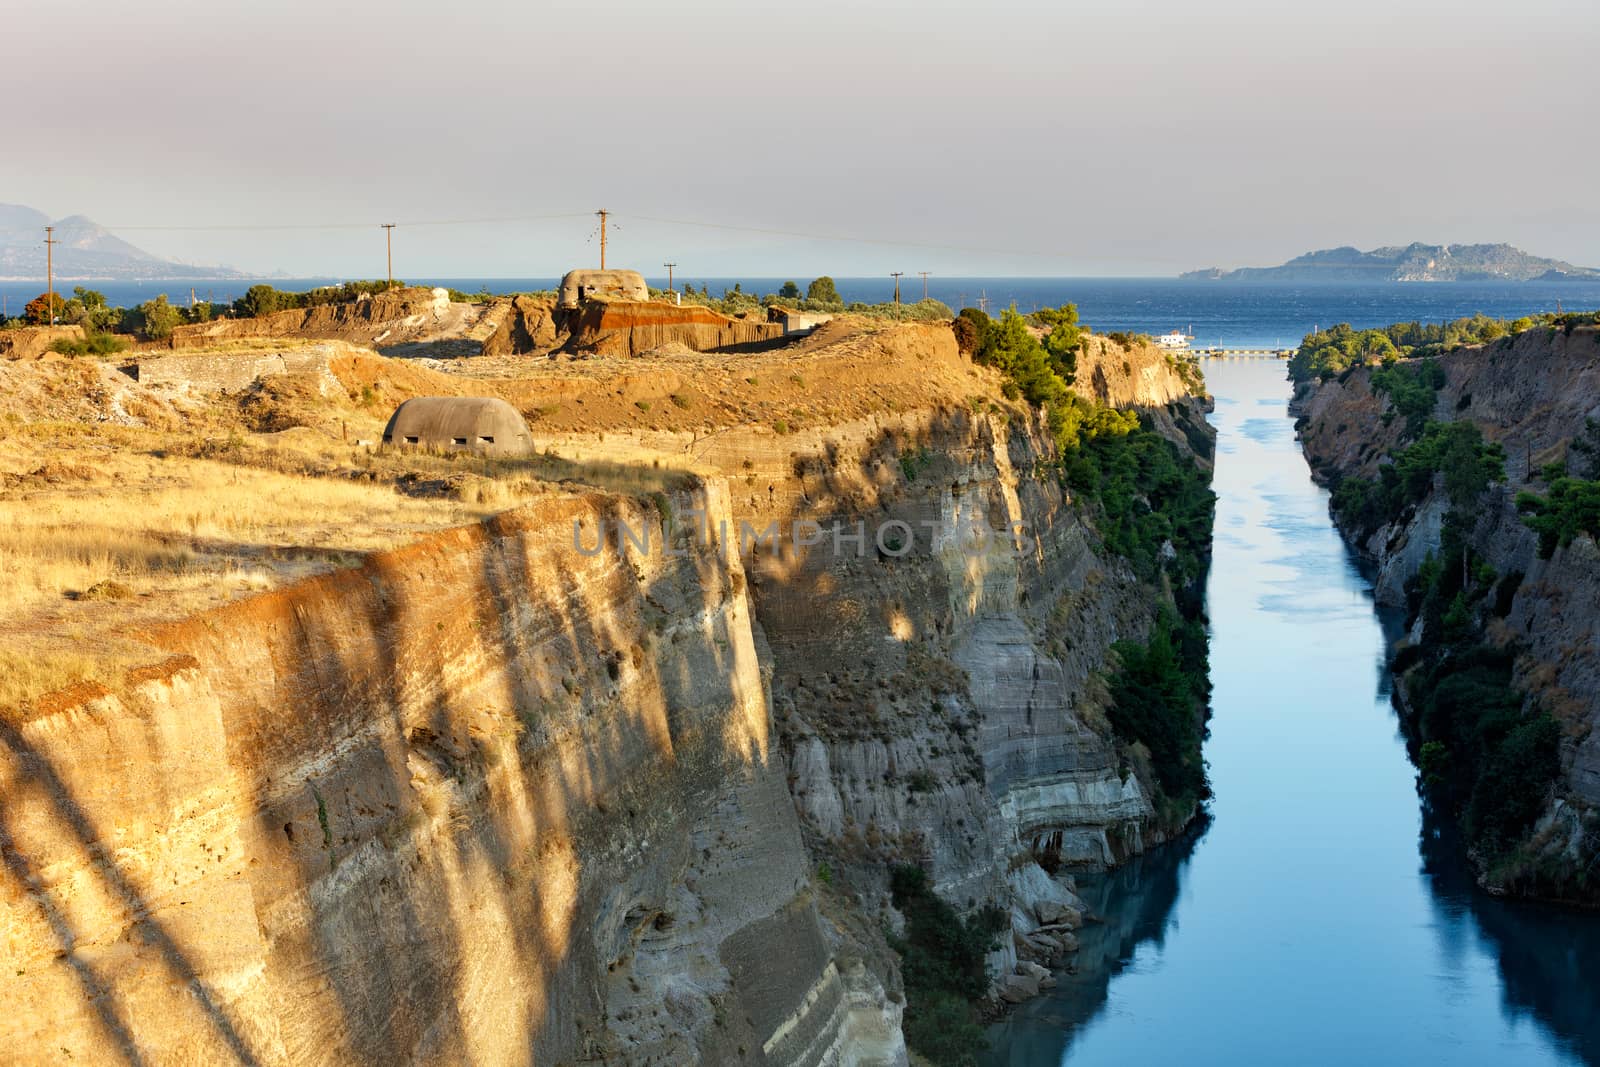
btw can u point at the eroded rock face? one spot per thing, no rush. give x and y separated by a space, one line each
483 799
1532 394
410 321
488 798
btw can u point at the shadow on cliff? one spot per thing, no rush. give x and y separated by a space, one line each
466 824
37 768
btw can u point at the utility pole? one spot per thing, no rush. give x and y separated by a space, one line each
895 274
669 267
924 274
602 213
388 247
50 243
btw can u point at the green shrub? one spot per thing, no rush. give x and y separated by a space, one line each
942 965
94 344
1326 353
1158 700
1571 508
1412 390
1489 760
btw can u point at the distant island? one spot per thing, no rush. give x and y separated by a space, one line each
86 251
1414 263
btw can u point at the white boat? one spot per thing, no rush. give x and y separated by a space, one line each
1176 340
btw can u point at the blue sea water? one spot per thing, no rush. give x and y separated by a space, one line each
1216 313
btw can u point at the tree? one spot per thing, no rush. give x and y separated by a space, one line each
38 311
258 300
823 291
92 300
160 318
1063 340
790 291
971 328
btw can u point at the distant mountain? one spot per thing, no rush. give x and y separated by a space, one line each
86 251
1413 263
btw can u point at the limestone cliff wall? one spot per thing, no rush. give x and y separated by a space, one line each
939 693
484 799
493 799
1531 393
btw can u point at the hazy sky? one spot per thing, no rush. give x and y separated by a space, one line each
1129 137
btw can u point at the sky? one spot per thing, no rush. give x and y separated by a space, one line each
1013 137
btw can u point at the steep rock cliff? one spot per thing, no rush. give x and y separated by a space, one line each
498 797
939 694
482 799
1530 393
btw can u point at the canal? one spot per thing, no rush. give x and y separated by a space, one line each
1317 917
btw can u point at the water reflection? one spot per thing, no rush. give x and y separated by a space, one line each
1548 958
1306 924
1135 904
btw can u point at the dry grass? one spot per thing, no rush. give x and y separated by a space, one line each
27 672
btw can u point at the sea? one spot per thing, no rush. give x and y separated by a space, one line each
1215 314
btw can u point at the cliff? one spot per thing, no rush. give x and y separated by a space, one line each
508 794
482 799
1530 394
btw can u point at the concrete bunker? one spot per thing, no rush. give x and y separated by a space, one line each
581 285
484 425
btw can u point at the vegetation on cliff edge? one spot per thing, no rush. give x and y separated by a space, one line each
1326 353
1572 505
1153 506
942 965
1486 752
1160 700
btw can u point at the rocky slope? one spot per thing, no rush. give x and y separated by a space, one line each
403 321
1531 393
499 797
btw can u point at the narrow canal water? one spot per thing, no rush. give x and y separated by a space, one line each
1315 919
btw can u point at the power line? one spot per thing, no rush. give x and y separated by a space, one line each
609 217
812 236
270 227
